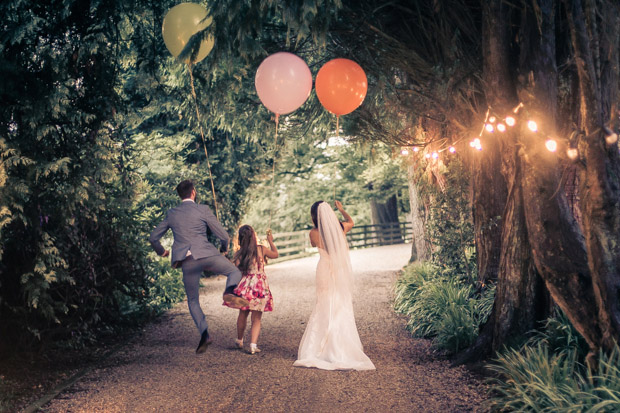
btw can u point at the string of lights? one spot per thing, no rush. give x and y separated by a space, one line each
495 123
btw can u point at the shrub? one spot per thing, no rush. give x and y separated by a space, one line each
485 304
546 375
602 390
559 335
167 290
457 329
432 303
409 283
449 226
532 379
446 310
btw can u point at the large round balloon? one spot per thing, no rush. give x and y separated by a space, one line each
283 82
182 22
341 86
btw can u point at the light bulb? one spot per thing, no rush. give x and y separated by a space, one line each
551 145
572 153
612 138
404 152
492 119
489 127
531 125
510 121
452 149
435 155
427 156
501 127
415 149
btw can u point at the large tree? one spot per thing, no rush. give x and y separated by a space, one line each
548 232
595 38
70 249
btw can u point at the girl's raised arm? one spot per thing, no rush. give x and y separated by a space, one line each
272 252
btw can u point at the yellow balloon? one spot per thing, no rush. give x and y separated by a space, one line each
182 22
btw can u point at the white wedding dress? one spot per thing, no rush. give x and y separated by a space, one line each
331 341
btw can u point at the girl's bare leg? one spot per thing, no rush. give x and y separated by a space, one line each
256 316
242 321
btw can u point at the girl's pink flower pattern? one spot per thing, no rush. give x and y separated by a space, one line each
255 288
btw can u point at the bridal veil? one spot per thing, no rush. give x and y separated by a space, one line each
331 340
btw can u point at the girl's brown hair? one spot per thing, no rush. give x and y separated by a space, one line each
248 250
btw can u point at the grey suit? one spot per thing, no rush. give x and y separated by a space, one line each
189 222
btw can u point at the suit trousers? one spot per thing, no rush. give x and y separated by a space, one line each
192 270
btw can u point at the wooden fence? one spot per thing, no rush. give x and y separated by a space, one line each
297 244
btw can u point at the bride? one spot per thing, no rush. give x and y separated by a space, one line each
331 341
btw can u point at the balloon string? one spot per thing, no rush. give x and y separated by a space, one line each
202 134
273 168
337 125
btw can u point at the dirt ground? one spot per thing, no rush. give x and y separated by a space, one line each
158 370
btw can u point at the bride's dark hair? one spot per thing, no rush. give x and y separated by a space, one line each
313 212
248 250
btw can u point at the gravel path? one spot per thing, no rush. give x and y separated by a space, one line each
159 371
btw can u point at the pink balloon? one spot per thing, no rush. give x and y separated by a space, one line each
283 82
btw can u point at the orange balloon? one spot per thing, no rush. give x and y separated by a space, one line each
341 86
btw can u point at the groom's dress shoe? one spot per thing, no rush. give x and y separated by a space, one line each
235 301
205 340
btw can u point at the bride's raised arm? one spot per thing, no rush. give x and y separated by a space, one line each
348 223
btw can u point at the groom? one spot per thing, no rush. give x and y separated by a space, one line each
193 252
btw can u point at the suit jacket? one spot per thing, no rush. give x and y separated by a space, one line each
189 222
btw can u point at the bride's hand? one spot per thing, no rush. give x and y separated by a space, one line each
339 205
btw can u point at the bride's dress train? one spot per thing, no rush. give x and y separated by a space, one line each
331 340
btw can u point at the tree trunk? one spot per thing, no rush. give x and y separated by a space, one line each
594 36
521 300
420 248
555 237
489 200
385 215
488 184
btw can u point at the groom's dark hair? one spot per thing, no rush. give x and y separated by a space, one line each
185 188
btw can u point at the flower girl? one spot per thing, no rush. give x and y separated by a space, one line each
250 259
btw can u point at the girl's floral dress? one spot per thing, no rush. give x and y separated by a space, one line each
255 288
